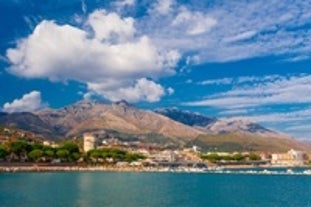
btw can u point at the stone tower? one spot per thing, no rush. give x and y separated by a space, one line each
89 142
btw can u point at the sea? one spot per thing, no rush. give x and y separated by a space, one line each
154 189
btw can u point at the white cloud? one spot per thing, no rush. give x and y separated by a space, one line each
293 122
162 7
195 22
223 81
122 3
110 27
28 103
108 56
170 91
280 102
234 30
143 90
271 90
240 37
83 6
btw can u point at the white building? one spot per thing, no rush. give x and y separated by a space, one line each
89 142
292 157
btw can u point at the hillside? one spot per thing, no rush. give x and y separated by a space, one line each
26 121
186 117
120 116
233 134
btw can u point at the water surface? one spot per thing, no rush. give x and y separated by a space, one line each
126 189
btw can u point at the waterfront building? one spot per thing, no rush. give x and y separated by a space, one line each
291 158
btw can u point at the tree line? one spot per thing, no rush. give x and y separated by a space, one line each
238 157
68 151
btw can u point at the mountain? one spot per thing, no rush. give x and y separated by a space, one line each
241 126
233 134
119 116
186 117
26 121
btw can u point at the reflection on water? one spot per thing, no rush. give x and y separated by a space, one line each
124 189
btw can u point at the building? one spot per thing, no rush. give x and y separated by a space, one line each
89 142
291 158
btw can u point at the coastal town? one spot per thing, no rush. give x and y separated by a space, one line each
96 152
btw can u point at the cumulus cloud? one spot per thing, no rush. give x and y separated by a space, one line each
28 103
143 90
107 55
110 27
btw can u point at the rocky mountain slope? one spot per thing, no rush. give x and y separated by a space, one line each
26 121
233 134
186 117
120 116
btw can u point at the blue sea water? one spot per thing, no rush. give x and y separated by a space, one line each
134 189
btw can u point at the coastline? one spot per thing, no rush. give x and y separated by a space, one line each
76 168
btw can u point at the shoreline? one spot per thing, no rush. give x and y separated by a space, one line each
76 168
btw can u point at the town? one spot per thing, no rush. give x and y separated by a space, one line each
96 150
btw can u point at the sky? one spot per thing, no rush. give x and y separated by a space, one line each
228 59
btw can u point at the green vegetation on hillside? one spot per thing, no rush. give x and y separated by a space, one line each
68 151
113 155
238 157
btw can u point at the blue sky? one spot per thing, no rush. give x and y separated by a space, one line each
243 59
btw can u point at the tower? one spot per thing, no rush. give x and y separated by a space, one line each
89 142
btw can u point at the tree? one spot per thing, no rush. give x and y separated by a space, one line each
95 154
20 147
253 156
62 153
238 157
131 157
37 145
49 153
75 155
211 157
35 154
70 146
3 152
